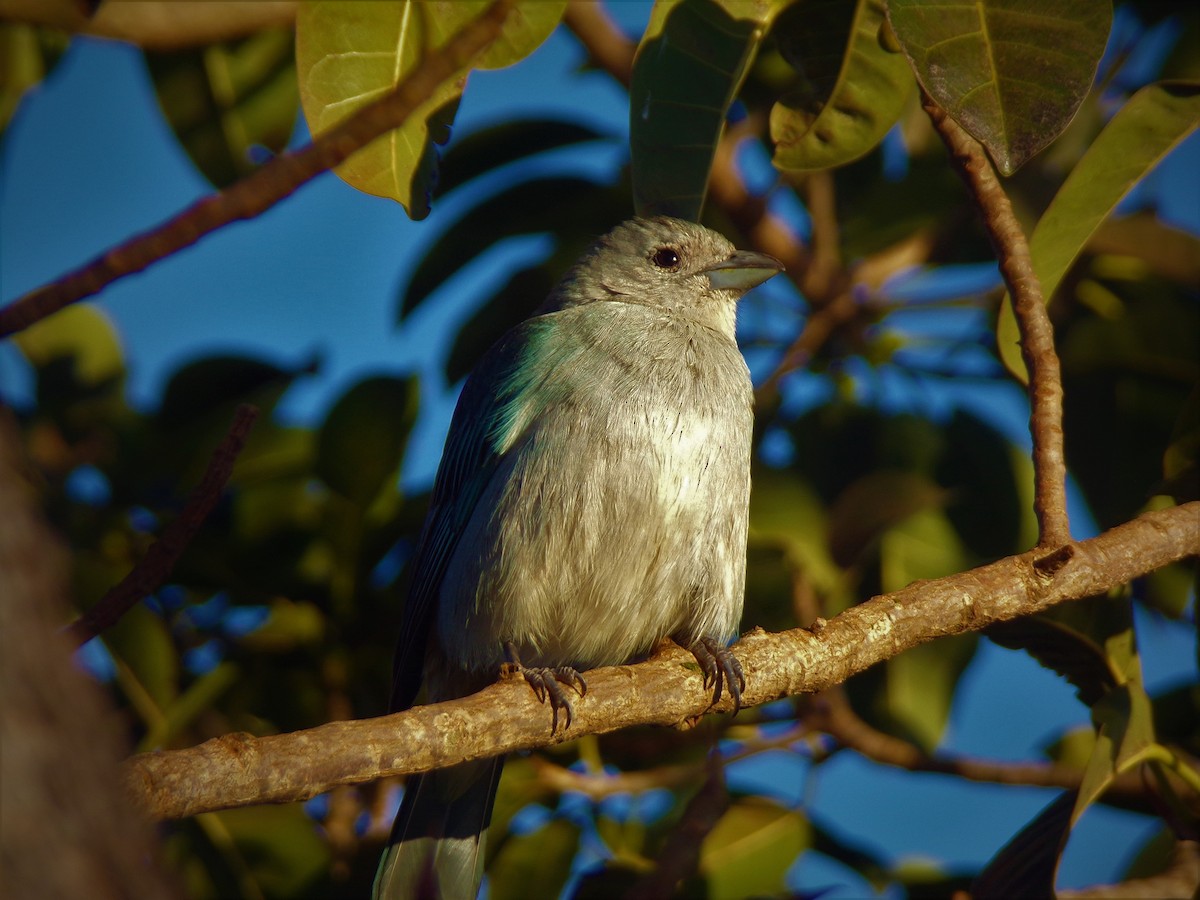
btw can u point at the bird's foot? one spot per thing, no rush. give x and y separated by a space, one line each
547 683
721 670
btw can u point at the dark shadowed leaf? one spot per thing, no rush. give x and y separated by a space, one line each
363 437
1025 866
1010 72
555 205
519 297
535 864
489 149
1146 128
1057 646
225 100
280 847
689 66
351 52
216 384
846 108
874 503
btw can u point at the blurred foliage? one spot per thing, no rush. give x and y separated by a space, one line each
282 612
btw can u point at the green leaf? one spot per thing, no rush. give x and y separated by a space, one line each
195 701
874 503
535 864
688 69
225 99
750 849
351 52
1124 729
280 846
1147 127
143 642
362 440
1011 73
833 124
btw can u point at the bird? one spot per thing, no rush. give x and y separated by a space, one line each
592 499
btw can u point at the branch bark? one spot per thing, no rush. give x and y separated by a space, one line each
1037 334
240 770
260 191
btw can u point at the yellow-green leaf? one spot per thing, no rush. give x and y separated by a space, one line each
1011 72
834 124
1147 127
351 52
80 332
750 849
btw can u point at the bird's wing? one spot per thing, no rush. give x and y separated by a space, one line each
495 407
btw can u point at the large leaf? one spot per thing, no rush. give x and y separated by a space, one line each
535 864
1148 126
363 438
225 100
82 334
351 52
836 121
1011 72
751 848
689 66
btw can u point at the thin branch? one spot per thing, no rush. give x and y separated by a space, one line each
277 179
1037 334
668 689
154 568
837 719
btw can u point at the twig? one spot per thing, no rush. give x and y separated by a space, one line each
259 191
835 717
239 770
1037 334
164 553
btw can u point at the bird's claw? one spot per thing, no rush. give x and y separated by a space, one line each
721 670
547 683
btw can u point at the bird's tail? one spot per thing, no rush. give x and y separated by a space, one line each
436 848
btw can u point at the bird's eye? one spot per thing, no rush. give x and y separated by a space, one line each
665 258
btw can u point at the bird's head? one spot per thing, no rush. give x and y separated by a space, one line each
669 263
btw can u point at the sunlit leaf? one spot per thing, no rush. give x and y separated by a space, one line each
689 66
225 100
834 123
82 334
351 52
750 849
1011 72
364 435
27 55
1148 126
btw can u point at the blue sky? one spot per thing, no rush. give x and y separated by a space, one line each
89 161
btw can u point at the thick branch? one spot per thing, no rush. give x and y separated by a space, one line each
239 770
1037 334
152 570
260 191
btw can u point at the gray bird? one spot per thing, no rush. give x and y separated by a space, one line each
591 500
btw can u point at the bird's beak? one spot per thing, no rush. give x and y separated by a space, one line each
742 271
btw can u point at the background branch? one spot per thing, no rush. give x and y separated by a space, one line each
260 191
152 570
239 769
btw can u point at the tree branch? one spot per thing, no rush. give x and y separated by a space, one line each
277 179
152 570
1037 334
668 689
